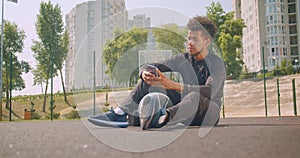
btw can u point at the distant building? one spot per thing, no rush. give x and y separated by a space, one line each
271 24
90 25
153 56
139 20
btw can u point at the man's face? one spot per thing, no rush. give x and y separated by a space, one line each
196 42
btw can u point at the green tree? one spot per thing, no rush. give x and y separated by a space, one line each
13 44
62 55
245 74
170 37
121 55
216 13
285 68
289 68
49 28
228 38
42 72
39 77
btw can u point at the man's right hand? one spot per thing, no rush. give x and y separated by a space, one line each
148 77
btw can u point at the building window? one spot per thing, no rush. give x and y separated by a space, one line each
284 51
274 8
272 51
275 30
272 41
275 19
282 8
272 30
270 9
280 40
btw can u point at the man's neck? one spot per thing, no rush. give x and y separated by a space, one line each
201 55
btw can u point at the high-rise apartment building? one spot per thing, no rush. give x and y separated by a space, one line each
139 20
90 25
272 25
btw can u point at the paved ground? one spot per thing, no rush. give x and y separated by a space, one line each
270 137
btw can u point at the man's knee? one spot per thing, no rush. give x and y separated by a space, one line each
212 115
193 98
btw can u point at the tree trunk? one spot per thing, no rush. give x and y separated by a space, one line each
45 97
63 86
42 88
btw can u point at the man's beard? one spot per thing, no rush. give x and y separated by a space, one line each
193 55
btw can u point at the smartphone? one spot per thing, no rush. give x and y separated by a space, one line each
152 69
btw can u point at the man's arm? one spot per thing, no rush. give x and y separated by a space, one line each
204 90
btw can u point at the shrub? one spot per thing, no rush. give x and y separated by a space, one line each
35 116
269 74
73 115
106 104
105 109
55 115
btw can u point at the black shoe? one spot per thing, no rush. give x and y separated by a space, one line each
110 119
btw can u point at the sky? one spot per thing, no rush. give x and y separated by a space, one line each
24 14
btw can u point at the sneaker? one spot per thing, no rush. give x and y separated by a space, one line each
164 119
133 119
151 108
110 119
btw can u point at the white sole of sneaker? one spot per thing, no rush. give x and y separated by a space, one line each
104 123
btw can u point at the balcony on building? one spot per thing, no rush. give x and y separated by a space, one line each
293 29
293 40
294 51
292 19
291 8
291 1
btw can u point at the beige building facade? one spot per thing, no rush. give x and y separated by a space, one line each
273 27
90 25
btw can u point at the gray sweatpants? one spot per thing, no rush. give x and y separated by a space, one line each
190 109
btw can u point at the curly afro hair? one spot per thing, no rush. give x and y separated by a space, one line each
202 23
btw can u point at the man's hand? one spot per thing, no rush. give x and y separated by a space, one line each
147 76
161 81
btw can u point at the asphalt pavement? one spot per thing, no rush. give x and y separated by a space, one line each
252 137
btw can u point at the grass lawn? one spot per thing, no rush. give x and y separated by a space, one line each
19 104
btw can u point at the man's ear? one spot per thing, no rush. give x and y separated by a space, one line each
207 42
